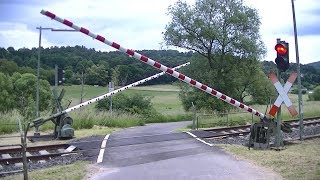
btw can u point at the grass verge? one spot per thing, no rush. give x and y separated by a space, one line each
299 160
75 171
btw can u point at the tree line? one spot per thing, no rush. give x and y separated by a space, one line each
99 68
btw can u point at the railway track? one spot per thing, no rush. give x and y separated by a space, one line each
245 129
11 158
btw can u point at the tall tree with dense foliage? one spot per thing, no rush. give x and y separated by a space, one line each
25 96
225 33
98 75
7 101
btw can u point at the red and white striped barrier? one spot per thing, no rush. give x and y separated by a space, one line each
157 65
283 94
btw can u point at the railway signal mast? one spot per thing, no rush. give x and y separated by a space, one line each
282 61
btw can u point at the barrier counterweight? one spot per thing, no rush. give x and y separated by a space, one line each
157 65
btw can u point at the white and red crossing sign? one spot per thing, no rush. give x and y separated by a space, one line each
283 94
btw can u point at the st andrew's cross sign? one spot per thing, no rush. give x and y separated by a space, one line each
283 94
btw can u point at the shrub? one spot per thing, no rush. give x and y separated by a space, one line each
315 96
295 91
135 104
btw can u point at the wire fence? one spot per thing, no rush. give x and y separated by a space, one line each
224 119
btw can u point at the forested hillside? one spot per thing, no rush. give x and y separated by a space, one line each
315 65
101 67
310 76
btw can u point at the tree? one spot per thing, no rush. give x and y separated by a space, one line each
215 27
7 101
68 75
24 93
8 67
315 96
225 34
97 75
115 76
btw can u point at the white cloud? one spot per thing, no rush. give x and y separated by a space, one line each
18 36
277 22
139 24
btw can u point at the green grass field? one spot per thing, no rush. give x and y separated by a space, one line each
164 97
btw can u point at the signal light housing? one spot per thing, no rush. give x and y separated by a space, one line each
282 60
61 78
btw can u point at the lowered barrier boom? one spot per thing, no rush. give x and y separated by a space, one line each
157 65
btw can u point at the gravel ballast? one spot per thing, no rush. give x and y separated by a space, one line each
243 140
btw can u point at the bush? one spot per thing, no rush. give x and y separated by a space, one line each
134 104
295 91
315 96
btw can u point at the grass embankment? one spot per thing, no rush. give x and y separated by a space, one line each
75 171
299 160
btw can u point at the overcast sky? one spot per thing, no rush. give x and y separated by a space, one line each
139 24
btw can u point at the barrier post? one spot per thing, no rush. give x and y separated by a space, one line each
24 151
194 116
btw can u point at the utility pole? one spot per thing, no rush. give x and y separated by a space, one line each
298 71
82 84
111 88
38 79
38 73
56 77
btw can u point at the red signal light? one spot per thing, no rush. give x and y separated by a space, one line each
281 49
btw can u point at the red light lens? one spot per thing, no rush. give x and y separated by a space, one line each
281 49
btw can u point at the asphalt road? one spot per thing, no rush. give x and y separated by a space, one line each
156 151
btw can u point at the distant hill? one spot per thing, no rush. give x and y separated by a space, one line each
310 74
316 65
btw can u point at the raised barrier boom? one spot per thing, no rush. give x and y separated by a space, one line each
40 121
157 65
